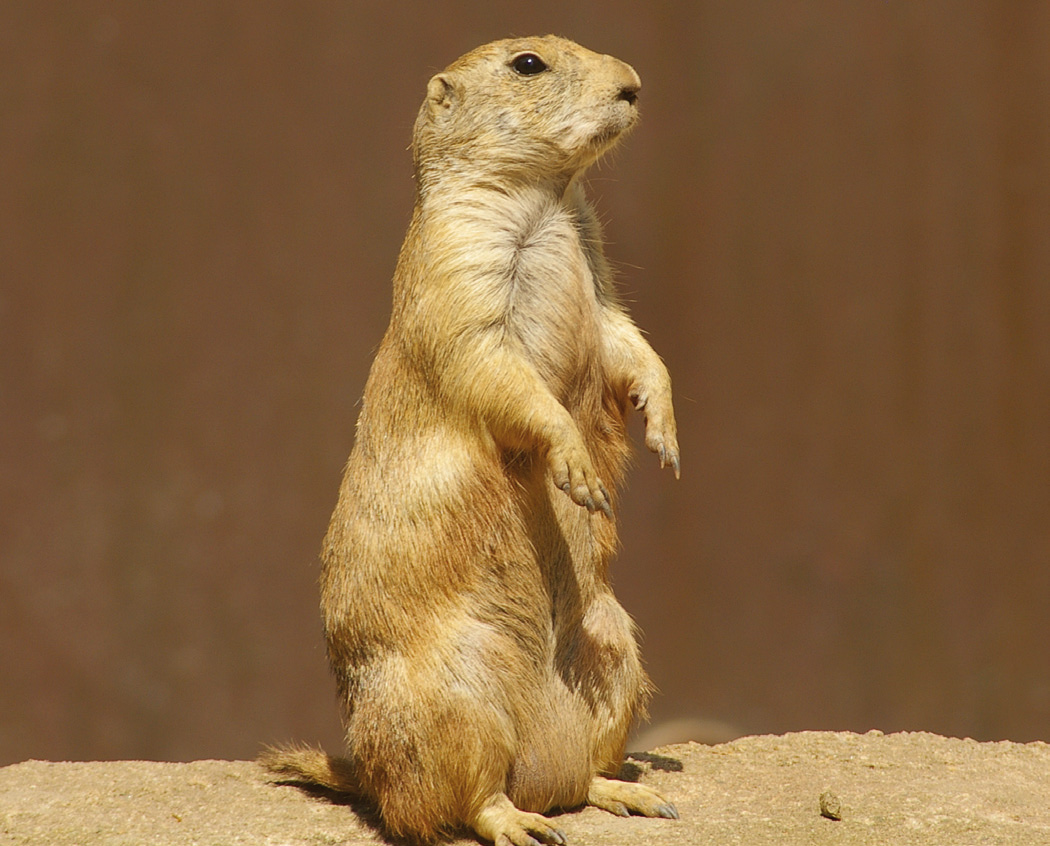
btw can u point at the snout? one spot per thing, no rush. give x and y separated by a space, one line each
628 83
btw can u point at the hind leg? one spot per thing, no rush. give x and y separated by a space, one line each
608 653
423 749
435 738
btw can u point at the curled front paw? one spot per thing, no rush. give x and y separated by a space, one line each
664 442
661 431
573 472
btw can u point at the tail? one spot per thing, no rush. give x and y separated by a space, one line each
309 765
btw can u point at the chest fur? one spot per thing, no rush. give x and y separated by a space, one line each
552 310
511 268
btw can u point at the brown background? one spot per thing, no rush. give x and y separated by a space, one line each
834 223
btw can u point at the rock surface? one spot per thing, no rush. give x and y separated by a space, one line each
912 789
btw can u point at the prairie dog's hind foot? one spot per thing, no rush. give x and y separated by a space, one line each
624 798
504 824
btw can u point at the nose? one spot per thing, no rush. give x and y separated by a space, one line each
629 93
629 81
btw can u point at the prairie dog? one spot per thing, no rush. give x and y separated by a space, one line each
487 674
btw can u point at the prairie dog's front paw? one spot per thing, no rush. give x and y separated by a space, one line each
661 431
663 440
573 472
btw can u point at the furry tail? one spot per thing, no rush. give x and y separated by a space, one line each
307 764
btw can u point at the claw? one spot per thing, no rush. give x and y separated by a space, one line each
668 811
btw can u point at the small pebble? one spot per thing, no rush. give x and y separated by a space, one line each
830 806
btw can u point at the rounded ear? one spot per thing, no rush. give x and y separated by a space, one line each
441 95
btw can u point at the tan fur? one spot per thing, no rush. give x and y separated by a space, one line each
486 670
305 763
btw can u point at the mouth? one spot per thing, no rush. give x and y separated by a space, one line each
608 136
603 134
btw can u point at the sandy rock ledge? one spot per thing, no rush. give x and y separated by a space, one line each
908 789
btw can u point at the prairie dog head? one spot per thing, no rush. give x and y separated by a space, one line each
535 108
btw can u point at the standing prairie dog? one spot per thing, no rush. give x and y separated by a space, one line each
486 671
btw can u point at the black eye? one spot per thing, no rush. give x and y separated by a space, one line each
528 64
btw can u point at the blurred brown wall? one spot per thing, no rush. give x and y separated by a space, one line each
834 223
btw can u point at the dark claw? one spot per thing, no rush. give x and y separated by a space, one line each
566 487
668 811
606 505
676 467
557 836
